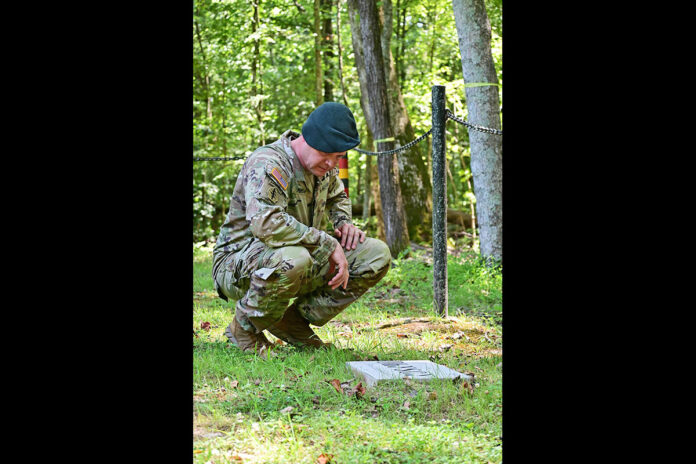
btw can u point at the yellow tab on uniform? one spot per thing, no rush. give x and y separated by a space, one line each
279 177
343 173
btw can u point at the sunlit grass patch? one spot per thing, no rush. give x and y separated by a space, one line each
285 410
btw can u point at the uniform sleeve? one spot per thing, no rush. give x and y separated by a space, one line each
338 204
267 201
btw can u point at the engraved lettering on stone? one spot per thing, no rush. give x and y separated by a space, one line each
407 369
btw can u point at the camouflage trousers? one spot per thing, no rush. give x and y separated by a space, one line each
263 280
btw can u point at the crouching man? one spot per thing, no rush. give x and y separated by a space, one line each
271 250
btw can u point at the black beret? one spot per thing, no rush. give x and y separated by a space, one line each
331 128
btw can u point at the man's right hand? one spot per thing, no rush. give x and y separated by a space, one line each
338 259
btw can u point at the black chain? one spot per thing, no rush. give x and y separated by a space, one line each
448 114
451 116
396 150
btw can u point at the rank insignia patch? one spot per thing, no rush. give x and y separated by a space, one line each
279 177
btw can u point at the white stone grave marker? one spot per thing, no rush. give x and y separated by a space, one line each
373 372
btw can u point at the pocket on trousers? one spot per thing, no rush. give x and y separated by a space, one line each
264 272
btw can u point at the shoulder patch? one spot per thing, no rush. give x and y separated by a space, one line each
275 172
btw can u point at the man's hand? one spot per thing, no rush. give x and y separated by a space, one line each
338 258
349 235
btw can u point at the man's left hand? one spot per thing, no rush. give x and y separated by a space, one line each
349 235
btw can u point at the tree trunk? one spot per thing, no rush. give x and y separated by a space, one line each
378 205
474 31
340 52
396 231
368 180
327 48
318 71
256 83
206 84
414 178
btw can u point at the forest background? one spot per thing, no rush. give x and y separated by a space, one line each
261 67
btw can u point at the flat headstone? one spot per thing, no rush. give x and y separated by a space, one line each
373 372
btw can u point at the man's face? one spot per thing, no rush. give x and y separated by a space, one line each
319 162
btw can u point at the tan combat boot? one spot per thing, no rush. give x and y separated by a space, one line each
247 341
295 330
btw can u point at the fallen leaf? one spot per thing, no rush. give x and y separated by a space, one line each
257 382
407 404
467 387
316 400
432 396
324 458
234 384
337 385
359 390
236 458
205 326
444 348
286 410
346 334
402 335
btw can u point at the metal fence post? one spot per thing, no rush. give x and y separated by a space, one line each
439 202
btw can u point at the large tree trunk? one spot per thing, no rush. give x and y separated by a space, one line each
414 178
396 231
483 103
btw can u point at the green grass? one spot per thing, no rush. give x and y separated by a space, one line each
241 402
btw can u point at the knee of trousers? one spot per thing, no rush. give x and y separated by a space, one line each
379 258
292 265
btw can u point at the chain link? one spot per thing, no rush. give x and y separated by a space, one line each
396 150
448 114
451 116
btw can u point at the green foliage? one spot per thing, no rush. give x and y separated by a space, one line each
225 122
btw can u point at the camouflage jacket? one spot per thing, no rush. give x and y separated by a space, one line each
277 201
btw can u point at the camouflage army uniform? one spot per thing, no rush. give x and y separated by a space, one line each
270 248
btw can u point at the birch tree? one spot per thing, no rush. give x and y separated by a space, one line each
483 103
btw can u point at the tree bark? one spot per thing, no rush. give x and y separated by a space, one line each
368 179
414 177
318 71
474 31
206 84
327 48
378 205
256 82
396 231
340 52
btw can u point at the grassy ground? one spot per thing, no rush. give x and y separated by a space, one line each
285 410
